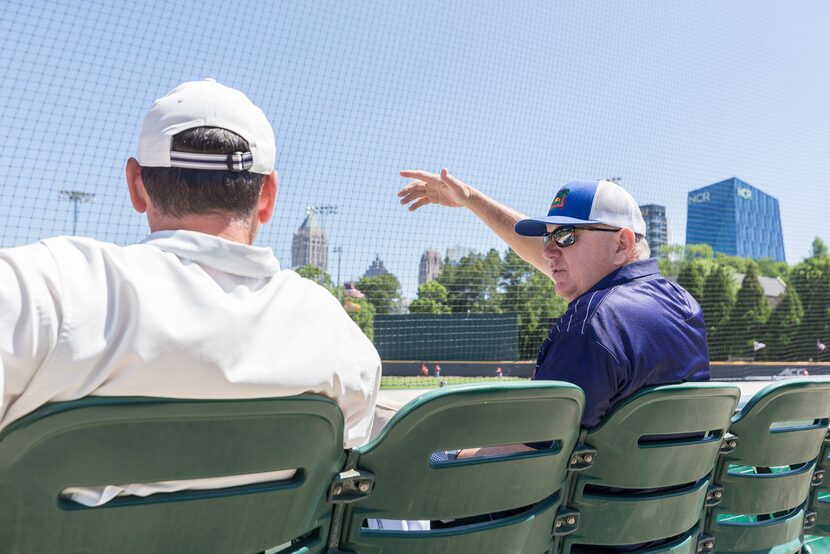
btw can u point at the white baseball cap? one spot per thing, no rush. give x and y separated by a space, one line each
206 103
585 202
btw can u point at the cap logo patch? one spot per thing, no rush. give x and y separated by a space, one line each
559 201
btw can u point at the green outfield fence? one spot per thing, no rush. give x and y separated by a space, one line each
427 374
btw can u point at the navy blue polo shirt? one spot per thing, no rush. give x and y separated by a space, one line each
631 330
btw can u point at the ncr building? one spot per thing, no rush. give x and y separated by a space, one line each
735 218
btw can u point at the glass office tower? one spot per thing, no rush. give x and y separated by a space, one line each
657 228
735 218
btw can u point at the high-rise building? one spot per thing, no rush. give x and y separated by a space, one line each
657 229
310 246
430 266
377 268
455 253
735 218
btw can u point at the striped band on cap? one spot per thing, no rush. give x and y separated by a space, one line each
235 161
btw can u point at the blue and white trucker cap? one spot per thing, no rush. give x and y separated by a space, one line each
206 103
586 202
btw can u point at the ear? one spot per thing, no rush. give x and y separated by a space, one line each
138 196
267 198
625 244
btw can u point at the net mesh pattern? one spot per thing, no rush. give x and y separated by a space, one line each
715 117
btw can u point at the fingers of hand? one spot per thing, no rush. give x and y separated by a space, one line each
422 202
414 185
411 191
419 174
413 195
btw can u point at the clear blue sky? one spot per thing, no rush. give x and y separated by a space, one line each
516 99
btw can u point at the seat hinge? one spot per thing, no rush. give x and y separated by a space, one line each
350 486
809 520
728 444
582 458
714 495
567 520
705 544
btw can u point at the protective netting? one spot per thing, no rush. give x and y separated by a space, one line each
666 98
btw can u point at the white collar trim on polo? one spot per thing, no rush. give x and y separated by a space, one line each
217 253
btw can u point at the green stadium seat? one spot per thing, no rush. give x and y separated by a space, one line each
650 476
820 496
524 490
99 441
767 470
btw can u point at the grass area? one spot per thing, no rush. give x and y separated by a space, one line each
415 382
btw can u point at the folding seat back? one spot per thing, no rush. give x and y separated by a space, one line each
766 477
647 476
96 442
498 504
820 495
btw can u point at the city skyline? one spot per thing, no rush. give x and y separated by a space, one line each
431 262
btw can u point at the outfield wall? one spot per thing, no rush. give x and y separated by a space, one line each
719 370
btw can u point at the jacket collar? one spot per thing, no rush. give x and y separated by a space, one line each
217 253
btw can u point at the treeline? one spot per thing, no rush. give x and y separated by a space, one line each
477 283
740 321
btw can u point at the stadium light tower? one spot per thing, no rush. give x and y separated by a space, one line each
76 197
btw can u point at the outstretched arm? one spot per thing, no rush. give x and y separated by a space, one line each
445 190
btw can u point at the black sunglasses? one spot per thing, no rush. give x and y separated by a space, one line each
565 235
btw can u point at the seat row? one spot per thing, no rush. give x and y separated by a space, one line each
672 469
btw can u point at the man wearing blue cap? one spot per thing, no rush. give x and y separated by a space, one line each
626 327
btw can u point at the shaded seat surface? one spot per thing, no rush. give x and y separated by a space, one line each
98 441
766 479
525 489
655 453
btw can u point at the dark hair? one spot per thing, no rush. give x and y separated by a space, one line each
178 191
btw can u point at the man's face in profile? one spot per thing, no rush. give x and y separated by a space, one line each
579 266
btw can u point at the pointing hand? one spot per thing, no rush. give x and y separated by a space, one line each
429 188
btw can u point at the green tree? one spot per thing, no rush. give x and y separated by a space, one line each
692 276
382 291
672 257
735 262
362 312
718 299
317 275
531 295
749 314
473 283
770 268
782 329
811 279
432 299
819 248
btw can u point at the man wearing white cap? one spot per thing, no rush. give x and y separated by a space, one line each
626 327
194 310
